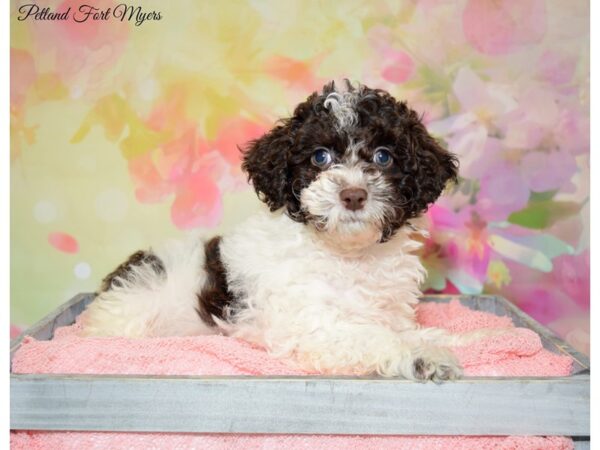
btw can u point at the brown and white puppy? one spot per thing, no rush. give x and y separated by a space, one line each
328 275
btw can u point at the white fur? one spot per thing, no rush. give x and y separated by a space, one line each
334 312
151 305
331 311
353 229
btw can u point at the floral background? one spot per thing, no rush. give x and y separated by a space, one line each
124 135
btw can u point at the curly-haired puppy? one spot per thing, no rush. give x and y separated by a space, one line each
327 276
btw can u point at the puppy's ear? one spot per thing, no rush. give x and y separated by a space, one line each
265 162
265 159
431 167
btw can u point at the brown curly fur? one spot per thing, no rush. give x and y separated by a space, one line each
123 271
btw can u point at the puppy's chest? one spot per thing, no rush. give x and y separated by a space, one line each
364 276
303 273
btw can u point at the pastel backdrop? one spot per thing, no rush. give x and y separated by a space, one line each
123 136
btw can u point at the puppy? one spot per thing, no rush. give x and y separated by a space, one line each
327 276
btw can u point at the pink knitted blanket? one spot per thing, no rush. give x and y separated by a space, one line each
515 354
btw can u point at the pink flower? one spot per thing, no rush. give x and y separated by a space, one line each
187 166
197 202
233 135
399 66
532 120
486 100
467 131
81 53
572 274
460 241
22 75
557 68
551 296
544 171
496 27
509 142
572 132
63 242
502 191
150 186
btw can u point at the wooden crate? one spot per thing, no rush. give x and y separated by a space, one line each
307 405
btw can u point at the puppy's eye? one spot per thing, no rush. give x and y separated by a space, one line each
321 157
382 157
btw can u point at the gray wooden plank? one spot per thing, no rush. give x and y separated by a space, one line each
550 340
64 315
499 406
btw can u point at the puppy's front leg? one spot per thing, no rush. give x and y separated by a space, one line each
364 349
433 362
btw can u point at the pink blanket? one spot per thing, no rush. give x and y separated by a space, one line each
515 354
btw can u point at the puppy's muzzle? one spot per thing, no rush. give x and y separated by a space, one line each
353 198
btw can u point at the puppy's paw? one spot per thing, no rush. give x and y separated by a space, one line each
436 364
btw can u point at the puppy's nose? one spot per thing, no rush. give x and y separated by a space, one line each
353 198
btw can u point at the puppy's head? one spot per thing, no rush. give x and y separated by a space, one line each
353 163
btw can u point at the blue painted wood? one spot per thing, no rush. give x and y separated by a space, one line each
302 405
